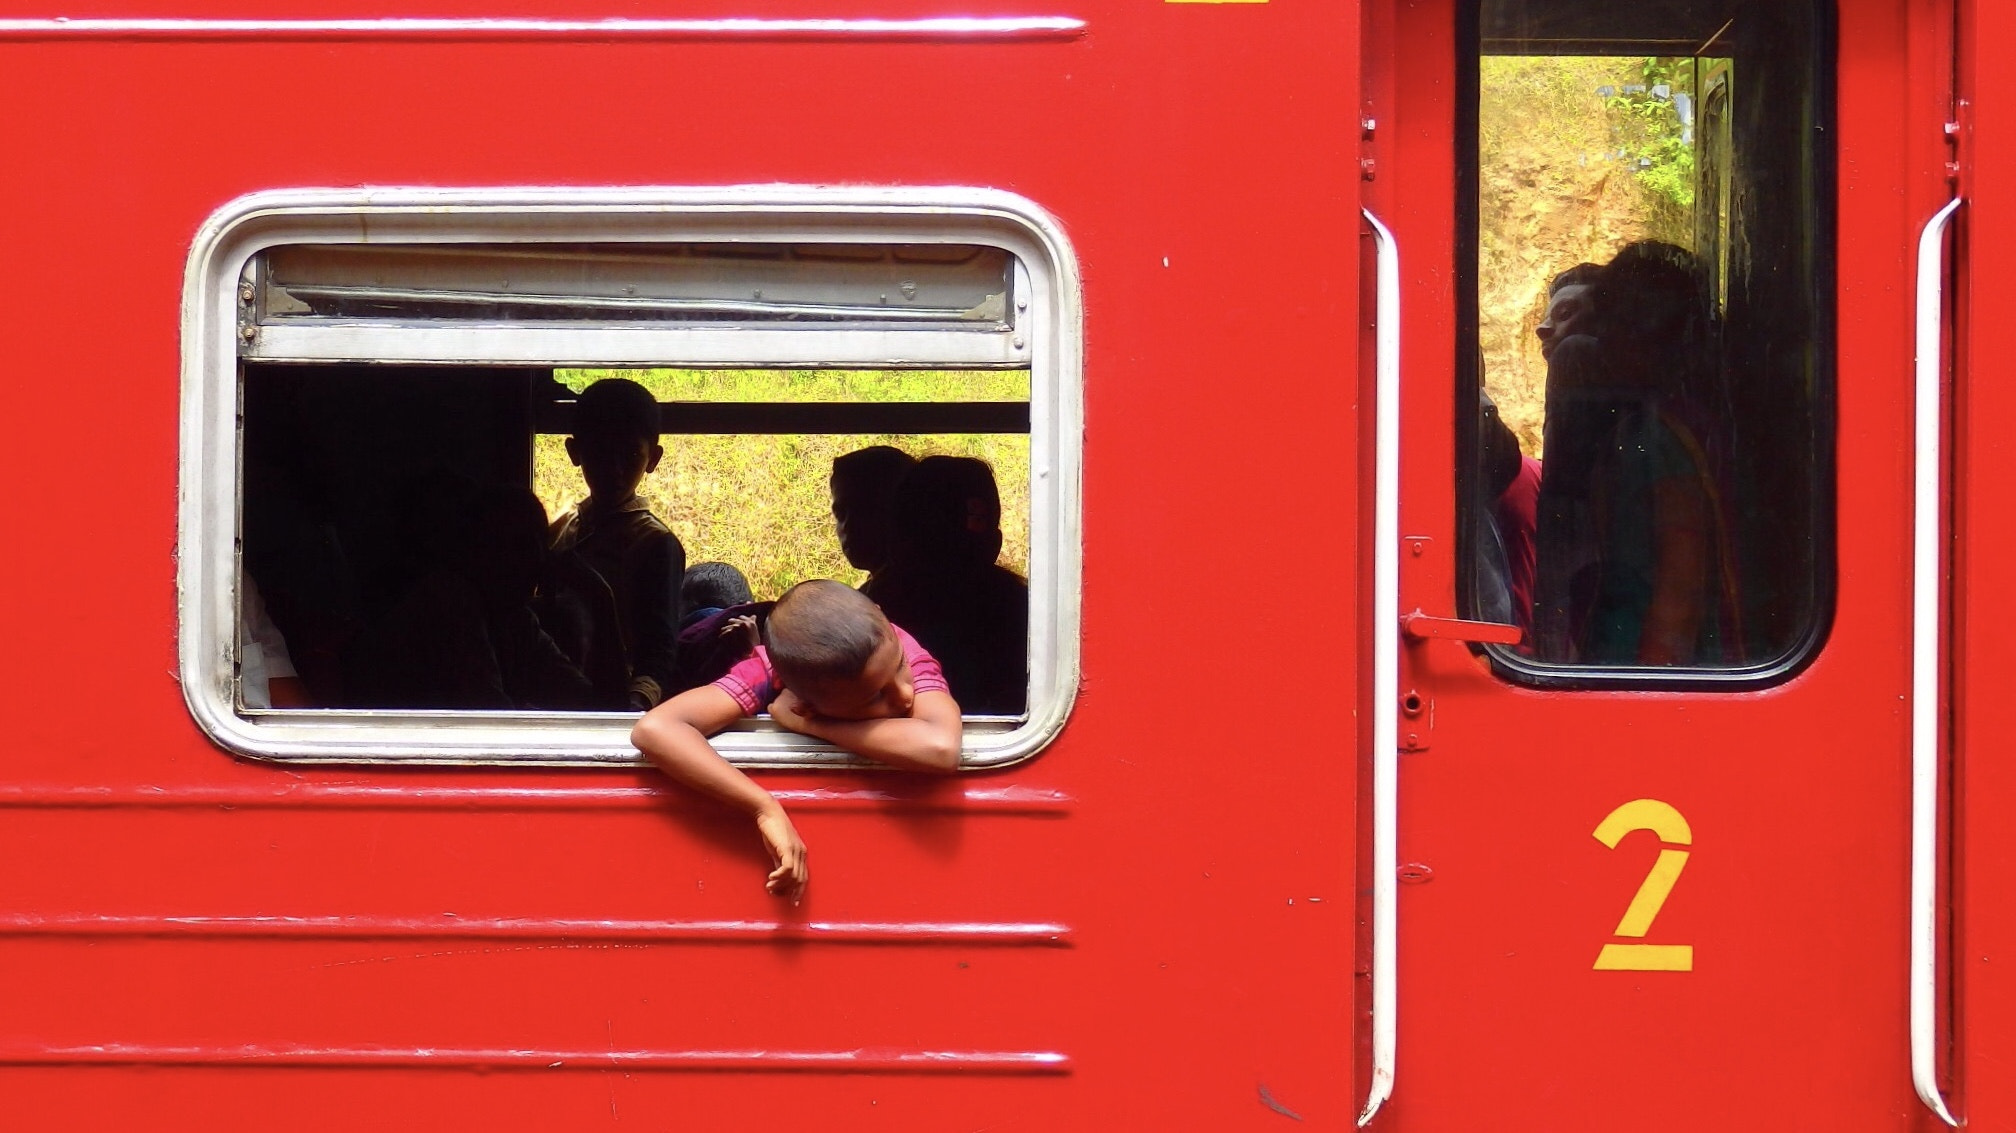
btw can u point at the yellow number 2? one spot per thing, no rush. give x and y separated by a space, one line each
1663 820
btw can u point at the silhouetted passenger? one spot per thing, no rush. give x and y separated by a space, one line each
306 582
1510 489
716 643
834 669
1578 408
864 489
709 588
1631 557
721 626
615 444
462 633
944 585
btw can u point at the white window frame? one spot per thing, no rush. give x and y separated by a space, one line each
210 498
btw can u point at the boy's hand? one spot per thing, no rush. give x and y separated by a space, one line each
789 712
787 854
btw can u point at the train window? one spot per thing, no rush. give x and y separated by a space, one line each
1646 402
389 402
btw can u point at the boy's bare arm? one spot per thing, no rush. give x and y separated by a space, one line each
674 736
926 740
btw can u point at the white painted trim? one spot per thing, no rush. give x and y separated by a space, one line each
208 496
1927 649
1385 676
1009 27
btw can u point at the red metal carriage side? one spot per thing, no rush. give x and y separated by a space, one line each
1153 923
1147 924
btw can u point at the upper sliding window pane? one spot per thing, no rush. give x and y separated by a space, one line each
728 284
735 303
1646 476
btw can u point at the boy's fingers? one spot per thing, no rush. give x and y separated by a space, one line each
787 882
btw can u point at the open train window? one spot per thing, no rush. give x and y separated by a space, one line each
1646 396
379 391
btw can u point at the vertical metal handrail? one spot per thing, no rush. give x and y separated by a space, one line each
1385 669
1926 650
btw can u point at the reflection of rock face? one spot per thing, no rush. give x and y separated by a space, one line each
1553 194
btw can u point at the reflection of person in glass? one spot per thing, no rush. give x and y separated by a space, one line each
1630 559
1503 536
1570 307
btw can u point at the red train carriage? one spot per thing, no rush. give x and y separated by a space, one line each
1317 805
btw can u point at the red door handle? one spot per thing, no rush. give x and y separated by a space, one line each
1421 627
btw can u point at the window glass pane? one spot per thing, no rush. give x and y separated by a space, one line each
1646 483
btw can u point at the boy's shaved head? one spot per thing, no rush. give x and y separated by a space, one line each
823 631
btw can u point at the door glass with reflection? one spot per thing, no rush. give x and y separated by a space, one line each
1646 480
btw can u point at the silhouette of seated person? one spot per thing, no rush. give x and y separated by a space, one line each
723 623
709 588
944 586
306 591
615 445
1510 492
461 633
864 485
1630 556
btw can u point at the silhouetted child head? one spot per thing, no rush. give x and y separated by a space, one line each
492 535
511 543
832 647
949 511
615 441
713 586
864 489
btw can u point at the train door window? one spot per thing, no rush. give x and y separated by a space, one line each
389 402
1646 411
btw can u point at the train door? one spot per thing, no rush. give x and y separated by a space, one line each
1648 864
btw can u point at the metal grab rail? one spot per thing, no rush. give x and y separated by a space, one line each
1385 668
1926 650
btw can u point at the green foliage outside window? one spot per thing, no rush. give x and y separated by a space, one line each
1653 133
1577 157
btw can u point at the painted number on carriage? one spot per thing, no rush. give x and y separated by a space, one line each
1673 832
